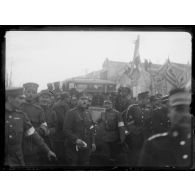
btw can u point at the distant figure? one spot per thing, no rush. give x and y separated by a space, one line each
56 88
123 99
50 87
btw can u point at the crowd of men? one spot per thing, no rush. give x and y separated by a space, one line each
55 128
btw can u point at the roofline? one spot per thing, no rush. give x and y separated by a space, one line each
95 81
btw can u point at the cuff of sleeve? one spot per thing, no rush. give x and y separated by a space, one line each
121 124
30 131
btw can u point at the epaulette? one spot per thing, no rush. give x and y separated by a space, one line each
115 110
19 111
157 135
32 104
73 109
159 108
132 106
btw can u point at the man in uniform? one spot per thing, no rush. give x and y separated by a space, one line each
50 87
61 108
137 120
153 102
172 148
123 99
50 115
32 155
159 119
73 101
110 136
57 88
79 131
18 126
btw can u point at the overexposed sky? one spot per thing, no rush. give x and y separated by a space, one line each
48 56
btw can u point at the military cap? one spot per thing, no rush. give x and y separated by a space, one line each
16 91
83 96
152 98
57 84
179 97
143 95
30 85
45 91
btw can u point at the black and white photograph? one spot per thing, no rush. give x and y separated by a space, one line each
98 98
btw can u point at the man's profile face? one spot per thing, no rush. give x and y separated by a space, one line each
16 101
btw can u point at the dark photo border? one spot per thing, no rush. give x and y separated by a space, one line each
4 29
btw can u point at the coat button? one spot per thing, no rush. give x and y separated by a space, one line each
10 136
11 126
185 156
182 143
10 116
175 134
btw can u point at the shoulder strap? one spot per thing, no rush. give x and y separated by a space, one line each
157 135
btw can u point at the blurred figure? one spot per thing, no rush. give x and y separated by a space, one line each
17 128
172 148
79 131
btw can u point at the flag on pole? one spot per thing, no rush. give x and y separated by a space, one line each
136 56
176 75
